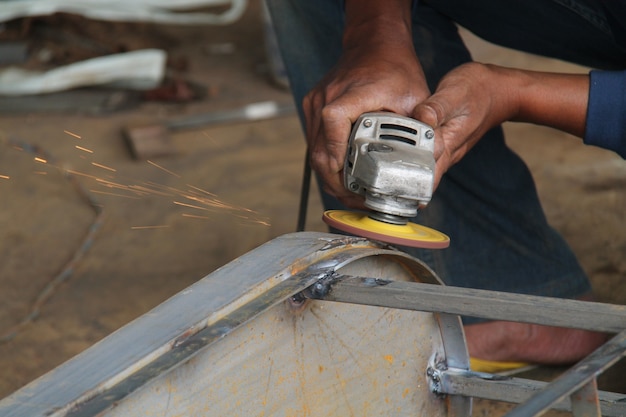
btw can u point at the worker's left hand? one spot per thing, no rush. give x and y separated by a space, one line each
468 102
474 98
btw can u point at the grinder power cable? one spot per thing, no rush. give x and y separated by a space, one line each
390 163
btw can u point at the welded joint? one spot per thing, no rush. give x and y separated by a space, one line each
376 282
344 241
318 290
434 375
322 287
444 380
434 381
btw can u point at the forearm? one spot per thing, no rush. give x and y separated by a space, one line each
555 100
378 70
380 22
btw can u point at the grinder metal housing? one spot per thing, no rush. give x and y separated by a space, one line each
390 162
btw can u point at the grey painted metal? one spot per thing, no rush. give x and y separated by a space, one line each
479 303
516 390
242 341
227 344
574 378
586 402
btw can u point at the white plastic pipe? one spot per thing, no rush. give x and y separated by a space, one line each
155 11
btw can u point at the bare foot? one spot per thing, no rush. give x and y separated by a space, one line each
521 342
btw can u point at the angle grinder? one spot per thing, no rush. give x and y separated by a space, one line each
390 163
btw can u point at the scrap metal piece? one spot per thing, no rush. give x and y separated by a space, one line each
149 140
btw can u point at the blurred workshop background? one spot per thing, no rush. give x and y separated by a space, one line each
143 146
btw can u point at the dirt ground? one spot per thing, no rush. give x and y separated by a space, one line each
148 248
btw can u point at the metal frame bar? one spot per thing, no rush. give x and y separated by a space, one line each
517 390
577 385
102 377
586 401
302 266
486 304
578 382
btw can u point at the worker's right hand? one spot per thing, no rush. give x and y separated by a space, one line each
378 71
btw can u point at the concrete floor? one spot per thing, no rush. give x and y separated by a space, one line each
148 248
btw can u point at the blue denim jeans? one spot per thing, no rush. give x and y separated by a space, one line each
487 203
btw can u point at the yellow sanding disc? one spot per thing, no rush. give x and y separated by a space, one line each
409 234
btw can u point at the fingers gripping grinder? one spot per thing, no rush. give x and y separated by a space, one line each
390 162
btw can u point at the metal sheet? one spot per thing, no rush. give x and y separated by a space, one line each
316 359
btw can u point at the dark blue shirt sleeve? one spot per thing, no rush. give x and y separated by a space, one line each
606 111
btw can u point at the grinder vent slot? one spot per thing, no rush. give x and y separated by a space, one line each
350 156
399 128
399 139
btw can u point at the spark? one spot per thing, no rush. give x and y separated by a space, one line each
111 184
114 194
211 138
103 166
211 203
82 174
108 183
164 169
195 216
253 220
190 206
80 148
72 134
145 190
201 190
164 187
199 198
4 177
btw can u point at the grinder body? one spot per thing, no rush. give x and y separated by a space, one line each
390 163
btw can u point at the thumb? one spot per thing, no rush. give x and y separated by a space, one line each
430 112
